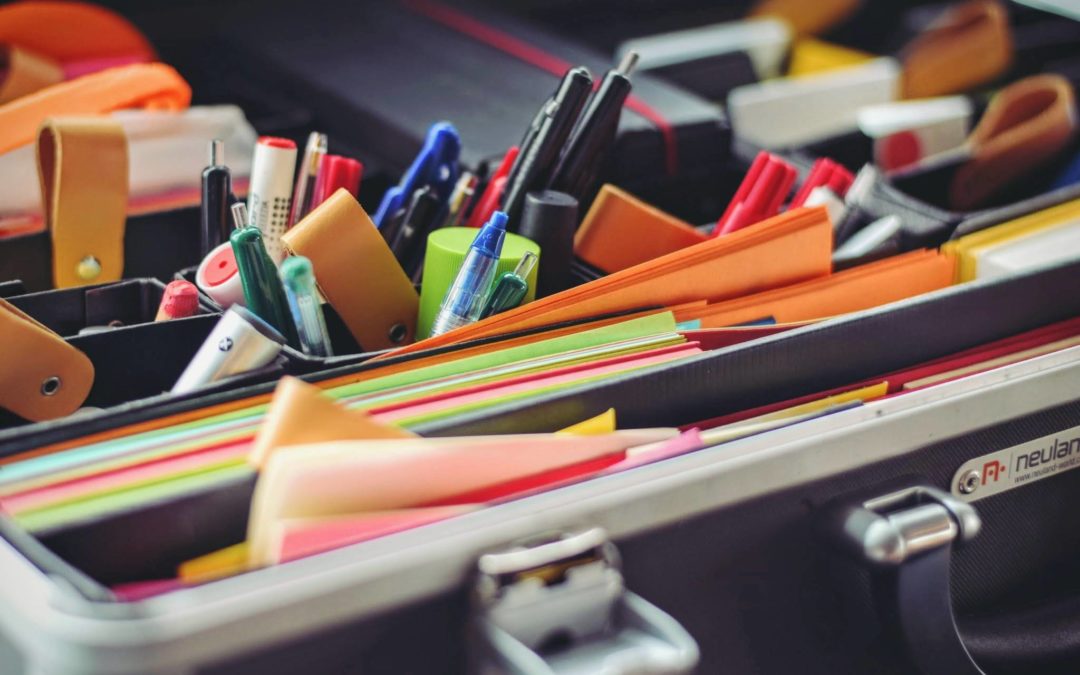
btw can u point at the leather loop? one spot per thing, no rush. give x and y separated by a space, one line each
1026 125
83 166
42 377
25 72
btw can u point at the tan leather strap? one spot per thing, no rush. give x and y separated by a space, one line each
83 166
41 376
25 72
1027 125
357 272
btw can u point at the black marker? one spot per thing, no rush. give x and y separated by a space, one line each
537 162
550 219
581 160
216 194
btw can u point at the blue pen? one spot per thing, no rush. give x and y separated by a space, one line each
436 166
465 298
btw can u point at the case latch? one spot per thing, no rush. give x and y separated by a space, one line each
558 605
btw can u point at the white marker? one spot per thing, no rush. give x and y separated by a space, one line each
270 191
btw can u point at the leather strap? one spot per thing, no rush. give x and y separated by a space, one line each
154 86
42 377
968 46
83 166
1027 124
807 18
25 72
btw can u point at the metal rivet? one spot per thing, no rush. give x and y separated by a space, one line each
225 344
970 482
88 268
398 332
50 386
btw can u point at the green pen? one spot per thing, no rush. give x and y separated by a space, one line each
299 279
263 292
511 287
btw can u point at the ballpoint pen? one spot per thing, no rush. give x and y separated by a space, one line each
436 165
511 287
214 207
465 298
488 202
419 221
592 138
270 190
307 313
536 163
304 192
263 293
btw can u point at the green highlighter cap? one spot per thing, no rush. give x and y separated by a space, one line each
263 293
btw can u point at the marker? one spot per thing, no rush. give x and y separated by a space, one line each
592 138
263 292
536 163
336 172
436 165
550 219
239 342
270 190
214 207
465 298
310 165
511 287
307 313
180 300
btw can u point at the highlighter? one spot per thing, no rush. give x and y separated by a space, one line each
465 298
270 190
307 312
263 293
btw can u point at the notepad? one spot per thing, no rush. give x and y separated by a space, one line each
1052 245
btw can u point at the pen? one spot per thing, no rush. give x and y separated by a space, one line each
536 163
511 287
418 222
263 292
760 195
436 165
461 198
592 138
464 299
336 172
489 200
270 190
310 164
180 300
213 209
307 313
824 173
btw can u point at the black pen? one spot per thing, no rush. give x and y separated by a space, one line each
419 220
538 162
581 160
216 194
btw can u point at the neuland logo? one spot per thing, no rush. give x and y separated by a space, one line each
1018 465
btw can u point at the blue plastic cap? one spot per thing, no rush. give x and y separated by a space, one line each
490 238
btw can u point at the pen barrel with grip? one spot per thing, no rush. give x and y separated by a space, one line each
303 297
264 294
214 205
592 138
270 190
464 300
542 156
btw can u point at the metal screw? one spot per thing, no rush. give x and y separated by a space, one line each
398 332
50 386
969 482
225 344
88 268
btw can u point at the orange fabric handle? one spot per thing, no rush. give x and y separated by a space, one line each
143 85
71 31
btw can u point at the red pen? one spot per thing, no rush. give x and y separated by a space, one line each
336 172
489 201
760 195
181 300
824 173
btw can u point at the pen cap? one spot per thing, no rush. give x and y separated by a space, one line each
239 342
336 172
550 219
218 277
181 299
446 251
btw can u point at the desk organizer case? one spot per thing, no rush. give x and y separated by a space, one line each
737 544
